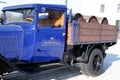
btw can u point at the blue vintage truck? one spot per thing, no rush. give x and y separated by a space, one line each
32 34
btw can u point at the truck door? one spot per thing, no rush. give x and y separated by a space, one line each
50 35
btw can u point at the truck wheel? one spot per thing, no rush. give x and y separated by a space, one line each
95 65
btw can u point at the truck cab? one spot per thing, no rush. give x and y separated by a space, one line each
38 32
33 33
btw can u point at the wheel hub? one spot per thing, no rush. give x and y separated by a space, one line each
97 63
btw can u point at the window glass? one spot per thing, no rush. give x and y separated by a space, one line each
50 17
102 8
20 15
118 8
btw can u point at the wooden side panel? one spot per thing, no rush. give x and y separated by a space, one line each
89 38
108 38
89 32
108 27
92 32
109 32
69 33
89 25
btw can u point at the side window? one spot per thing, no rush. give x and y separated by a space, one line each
102 8
118 8
51 18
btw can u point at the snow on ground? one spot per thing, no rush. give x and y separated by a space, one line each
111 66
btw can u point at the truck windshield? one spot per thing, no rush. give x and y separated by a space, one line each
50 17
20 15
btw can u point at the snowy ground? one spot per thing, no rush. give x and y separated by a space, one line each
111 70
111 66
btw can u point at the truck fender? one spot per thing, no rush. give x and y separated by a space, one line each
86 54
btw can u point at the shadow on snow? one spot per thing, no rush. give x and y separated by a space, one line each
110 58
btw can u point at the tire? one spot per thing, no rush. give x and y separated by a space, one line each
95 65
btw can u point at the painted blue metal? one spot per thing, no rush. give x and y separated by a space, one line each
73 31
10 28
33 44
49 44
34 5
28 40
70 15
78 25
11 41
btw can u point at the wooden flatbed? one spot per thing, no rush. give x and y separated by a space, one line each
87 33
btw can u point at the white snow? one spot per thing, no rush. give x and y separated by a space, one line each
111 66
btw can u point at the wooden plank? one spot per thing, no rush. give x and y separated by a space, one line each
92 32
89 25
109 27
89 38
108 32
89 32
69 33
108 38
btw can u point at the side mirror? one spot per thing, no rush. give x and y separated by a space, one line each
1 21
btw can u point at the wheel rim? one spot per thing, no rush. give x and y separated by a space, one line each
97 63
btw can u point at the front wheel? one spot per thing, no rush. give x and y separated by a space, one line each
95 65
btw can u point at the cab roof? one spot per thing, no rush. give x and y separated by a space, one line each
34 5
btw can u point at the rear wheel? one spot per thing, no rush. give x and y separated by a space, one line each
95 65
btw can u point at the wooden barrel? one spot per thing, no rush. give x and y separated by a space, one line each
79 17
104 21
93 19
